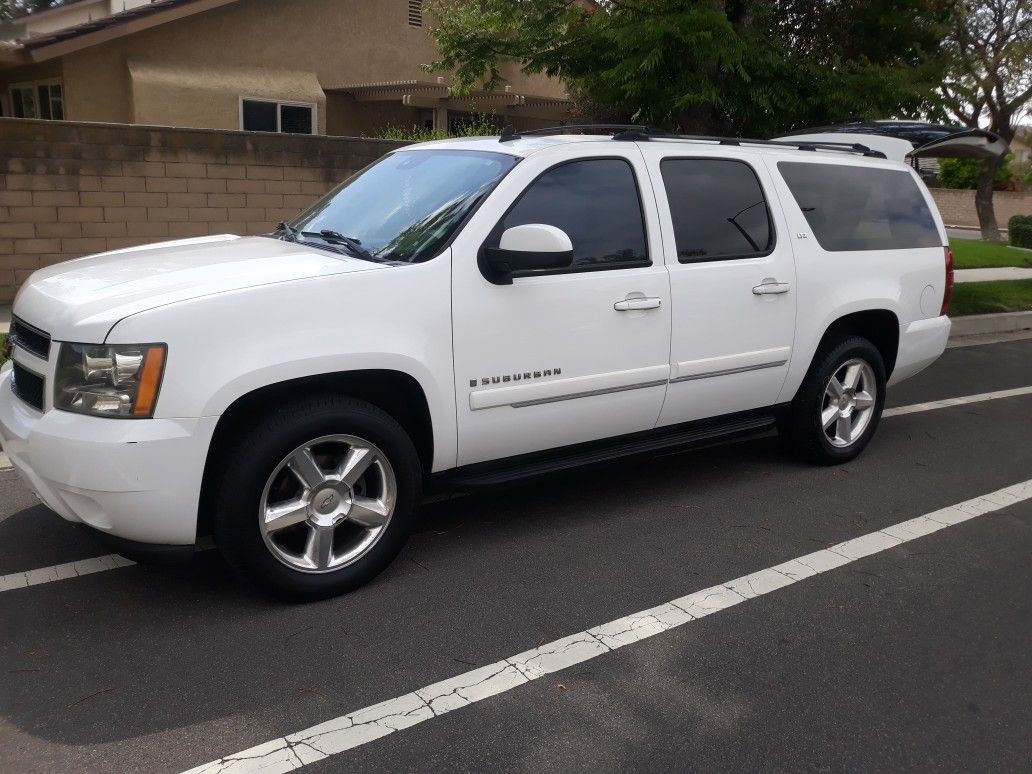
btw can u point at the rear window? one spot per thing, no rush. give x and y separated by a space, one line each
861 208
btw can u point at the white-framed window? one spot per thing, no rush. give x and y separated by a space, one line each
37 99
264 115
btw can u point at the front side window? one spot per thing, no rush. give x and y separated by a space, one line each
596 203
259 115
853 207
718 209
406 206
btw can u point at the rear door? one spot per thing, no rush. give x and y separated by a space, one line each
732 279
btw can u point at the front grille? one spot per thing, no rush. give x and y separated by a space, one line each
28 386
30 339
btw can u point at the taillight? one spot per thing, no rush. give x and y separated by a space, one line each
947 294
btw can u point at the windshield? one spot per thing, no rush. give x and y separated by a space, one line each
406 206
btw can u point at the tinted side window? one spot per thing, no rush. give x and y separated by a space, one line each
596 203
861 208
718 209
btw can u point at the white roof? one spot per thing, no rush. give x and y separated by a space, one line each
894 148
527 145
522 146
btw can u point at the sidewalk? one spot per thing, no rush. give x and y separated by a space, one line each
987 275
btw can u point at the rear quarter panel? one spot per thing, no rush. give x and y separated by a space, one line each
831 285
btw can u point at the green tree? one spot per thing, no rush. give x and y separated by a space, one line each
964 173
720 66
990 82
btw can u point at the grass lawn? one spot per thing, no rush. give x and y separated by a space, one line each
976 254
3 339
989 297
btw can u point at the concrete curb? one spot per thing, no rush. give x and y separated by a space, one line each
1004 322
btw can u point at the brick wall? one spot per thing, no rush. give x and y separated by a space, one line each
958 207
71 189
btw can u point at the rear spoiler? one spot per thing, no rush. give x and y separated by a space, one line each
968 144
972 144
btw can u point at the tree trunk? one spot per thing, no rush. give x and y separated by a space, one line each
984 200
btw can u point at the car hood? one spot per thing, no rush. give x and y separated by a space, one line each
81 300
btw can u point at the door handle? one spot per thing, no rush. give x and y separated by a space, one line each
634 304
770 287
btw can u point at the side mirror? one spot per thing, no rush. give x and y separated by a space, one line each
524 250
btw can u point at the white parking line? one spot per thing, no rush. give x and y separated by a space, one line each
948 402
365 725
19 580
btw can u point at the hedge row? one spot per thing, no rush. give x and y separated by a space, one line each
1020 228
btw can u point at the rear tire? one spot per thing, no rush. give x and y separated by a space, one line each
838 407
318 498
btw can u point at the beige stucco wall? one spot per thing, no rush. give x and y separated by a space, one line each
179 94
957 207
340 42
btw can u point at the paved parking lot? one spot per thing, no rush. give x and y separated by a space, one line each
904 652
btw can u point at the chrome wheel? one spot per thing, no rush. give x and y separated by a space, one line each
848 404
327 503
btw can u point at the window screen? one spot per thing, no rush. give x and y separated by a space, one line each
596 203
718 209
259 116
861 208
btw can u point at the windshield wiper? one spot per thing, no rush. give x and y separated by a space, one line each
354 246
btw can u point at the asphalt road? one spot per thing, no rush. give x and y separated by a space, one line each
913 658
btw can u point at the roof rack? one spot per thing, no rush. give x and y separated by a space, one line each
640 132
508 133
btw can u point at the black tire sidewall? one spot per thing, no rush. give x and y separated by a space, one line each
804 423
256 455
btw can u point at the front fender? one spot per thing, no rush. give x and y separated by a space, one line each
224 346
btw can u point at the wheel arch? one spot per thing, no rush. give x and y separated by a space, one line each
395 392
879 326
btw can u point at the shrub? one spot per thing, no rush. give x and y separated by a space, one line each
1019 229
479 125
963 173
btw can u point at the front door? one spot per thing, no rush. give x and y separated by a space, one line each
571 355
732 278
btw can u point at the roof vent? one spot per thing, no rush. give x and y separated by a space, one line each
415 13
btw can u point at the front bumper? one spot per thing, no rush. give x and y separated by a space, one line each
136 479
920 344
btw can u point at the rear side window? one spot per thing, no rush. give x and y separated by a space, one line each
596 203
861 208
718 209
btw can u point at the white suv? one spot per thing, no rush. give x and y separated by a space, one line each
464 313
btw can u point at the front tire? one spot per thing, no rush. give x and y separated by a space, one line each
838 407
317 499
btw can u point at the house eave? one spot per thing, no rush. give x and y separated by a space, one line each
64 42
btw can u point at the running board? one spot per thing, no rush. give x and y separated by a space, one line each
499 472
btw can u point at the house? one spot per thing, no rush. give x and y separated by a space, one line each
1021 146
338 67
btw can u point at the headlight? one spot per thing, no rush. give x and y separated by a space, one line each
120 380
